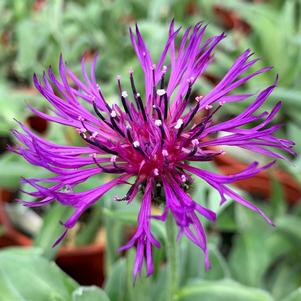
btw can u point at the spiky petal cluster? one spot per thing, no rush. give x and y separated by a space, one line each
152 138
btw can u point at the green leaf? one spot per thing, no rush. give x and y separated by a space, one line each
115 285
191 262
278 203
226 290
256 248
27 276
290 225
142 289
89 293
88 234
294 296
284 278
16 167
51 228
249 258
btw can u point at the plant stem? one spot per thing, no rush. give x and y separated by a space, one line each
110 246
171 249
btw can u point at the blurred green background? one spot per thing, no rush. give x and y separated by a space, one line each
250 260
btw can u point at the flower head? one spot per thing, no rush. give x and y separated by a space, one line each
151 139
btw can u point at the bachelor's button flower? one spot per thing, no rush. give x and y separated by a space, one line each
152 139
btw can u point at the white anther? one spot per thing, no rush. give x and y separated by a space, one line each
164 69
153 66
81 118
161 92
138 94
222 102
198 98
136 144
124 94
144 53
118 77
183 178
158 122
179 123
113 158
116 198
154 106
208 107
67 188
113 114
192 79
195 142
156 172
131 70
158 185
81 130
164 153
94 135
93 155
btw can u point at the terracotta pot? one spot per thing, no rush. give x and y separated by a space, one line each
6 195
85 264
38 5
261 183
10 237
37 123
231 20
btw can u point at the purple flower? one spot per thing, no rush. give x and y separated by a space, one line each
151 139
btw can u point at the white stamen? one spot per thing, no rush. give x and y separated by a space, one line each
116 198
208 107
118 77
136 144
161 92
131 70
113 114
138 94
222 102
179 123
94 135
164 69
195 142
113 158
93 155
124 94
158 185
198 98
158 122
164 153
183 178
156 172
67 188
154 106
81 118
81 130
